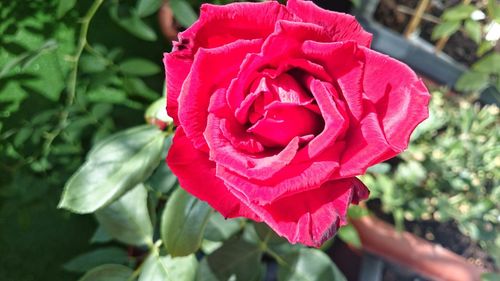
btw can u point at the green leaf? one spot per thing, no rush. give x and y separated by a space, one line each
473 29
92 64
349 235
236 257
100 236
127 220
183 222
459 12
132 23
64 6
139 67
108 272
114 166
183 12
490 276
484 47
169 269
446 28
163 180
147 7
87 261
472 81
220 229
488 64
309 265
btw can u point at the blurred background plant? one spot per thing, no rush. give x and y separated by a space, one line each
450 172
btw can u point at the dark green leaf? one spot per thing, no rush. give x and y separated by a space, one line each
488 64
64 6
473 29
220 229
472 81
459 12
169 269
127 219
140 67
133 24
92 64
446 28
148 7
183 12
183 222
108 272
87 261
237 258
309 265
100 236
113 166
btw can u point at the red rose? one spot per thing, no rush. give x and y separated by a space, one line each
279 107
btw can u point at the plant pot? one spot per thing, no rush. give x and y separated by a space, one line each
417 254
416 52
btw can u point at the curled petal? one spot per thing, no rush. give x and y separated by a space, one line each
340 26
183 159
217 66
398 95
311 217
219 25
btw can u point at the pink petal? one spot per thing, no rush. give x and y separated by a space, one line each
284 121
219 25
341 27
311 217
176 70
300 175
212 69
249 165
334 116
183 159
399 96
280 48
344 62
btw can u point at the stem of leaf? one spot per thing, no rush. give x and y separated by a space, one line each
72 80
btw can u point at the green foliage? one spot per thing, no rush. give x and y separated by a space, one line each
451 171
87 261
183 222
55 103
108 272
113 167
483 73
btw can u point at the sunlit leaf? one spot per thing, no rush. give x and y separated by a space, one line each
127 219
114 166
183 222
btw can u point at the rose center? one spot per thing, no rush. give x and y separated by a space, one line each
279 109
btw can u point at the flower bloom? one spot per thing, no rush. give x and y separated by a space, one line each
278 108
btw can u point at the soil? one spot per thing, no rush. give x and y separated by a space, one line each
459 46
446 234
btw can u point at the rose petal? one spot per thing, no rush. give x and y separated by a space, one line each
278 49
176 70
399 96
284 121
340 26
298 176
311 217
212 69
249 165
183 159
219 25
